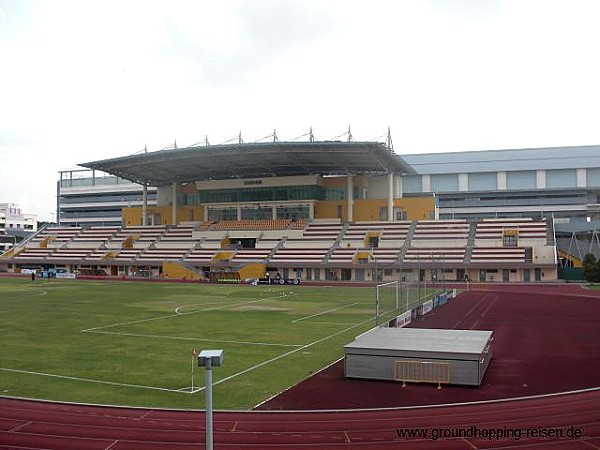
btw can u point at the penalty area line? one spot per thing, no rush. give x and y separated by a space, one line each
180 338
179 314
189 390
324 312
291 352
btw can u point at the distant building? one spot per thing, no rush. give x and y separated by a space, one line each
14 225
559 182
13 218
89 197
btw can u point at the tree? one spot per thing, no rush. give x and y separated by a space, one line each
591 268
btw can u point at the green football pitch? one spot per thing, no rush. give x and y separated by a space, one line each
131 343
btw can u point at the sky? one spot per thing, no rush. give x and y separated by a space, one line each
84 80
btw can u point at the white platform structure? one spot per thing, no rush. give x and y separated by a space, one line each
419 355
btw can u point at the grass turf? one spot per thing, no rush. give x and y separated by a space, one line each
130 343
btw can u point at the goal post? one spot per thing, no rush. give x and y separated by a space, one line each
390 297
393 298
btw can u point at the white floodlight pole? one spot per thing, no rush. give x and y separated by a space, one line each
208 359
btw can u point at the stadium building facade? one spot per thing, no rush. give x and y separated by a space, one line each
309 211
561 183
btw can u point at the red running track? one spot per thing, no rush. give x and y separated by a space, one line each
545 341
38 425
565 421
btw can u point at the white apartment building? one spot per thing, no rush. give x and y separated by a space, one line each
14 225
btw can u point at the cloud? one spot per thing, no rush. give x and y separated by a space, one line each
272 27
98 79
470 9
253 36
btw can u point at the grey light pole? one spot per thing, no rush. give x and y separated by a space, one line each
208 359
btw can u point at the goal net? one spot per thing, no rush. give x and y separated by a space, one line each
396 297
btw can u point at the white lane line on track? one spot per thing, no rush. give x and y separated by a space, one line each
483 313
18 427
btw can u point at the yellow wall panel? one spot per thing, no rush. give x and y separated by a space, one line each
175 270
417 208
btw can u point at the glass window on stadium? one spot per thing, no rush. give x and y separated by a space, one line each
257 213
91 213
262 194
335 193
108 180
341 193
76 182
217 214
104 181
521 179
593 177
106 198
487 181
412 184
445 182
561 178
510 239
293 212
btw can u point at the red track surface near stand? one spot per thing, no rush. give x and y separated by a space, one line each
546 339
558 343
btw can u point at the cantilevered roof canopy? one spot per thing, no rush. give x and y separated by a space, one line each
257 160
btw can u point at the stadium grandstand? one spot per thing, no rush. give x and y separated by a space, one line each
295 211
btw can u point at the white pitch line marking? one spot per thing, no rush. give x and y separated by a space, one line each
179 308
169 316
331 323
129 323
157 336
324 312
291 352
235 375
88 380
